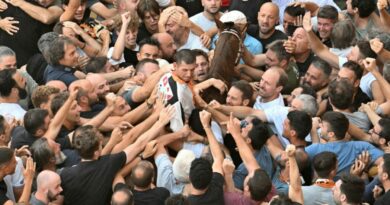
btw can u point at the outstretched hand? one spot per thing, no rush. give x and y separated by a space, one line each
306 22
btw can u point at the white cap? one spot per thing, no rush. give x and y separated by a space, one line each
234 16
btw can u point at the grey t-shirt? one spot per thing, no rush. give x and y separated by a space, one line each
316 195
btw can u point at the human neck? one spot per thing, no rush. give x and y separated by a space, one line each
360 22
143 189
297 142
183 38
85 107
69 125
41 197
209 15
9 99
195 191
266 35
302 57
269 99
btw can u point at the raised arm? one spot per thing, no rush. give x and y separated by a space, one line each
44 15
317 46
216 151
70 10
58 119
239 111
133 149
246 154
120 42
29 174
253 60
142 93
101 10
383 14
295 186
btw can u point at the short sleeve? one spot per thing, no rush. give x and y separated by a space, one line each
342 60
112 61
17 177
165 176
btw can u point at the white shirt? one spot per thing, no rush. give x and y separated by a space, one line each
193 42
12 110
259 105
276 116
365 84
201 20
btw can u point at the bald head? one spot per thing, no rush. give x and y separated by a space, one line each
167 45
99 83
142 174
57 84
86 89
46 179
268 18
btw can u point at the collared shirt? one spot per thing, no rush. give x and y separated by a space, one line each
59 72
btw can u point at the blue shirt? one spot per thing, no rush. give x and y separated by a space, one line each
59 72
253 45
346 152
263 157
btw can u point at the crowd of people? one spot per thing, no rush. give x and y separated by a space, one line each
103 102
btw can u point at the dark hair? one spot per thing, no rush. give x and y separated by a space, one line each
245 88
7 82
355 67
283 199
259 185
353 188
200 173
343 34
41 153
2 127
147 6
385 126
283 77
324 163
142 174
365 7
259 134
301 122
294 11
66 2
386 164
86 141
278 48
308 90
56 51
177 199
6 155
185 56
58 28
149 41
128 200
338 123
34 120
340 93
365 49
199 52
328 12
96 65
322 65
58 101
141 64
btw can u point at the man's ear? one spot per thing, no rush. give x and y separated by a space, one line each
283 63
246 102
138 56
2 137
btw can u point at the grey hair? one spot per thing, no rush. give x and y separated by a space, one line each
44 43
309 104
6 51
386 71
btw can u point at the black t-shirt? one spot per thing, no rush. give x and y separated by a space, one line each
24 42
3 192
130 58
191 6
249 8
302 67
277 35
154 196
213 195
21 137
95 110
383 200
63 139
90 182
327 42
143 33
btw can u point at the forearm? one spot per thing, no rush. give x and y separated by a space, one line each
25 197
321 50
295 186
105 46
196 29
385 18
218 116
383 84
146 90
377 94
229 183
249 58
119 46
98 120
125 171
357 133
314 136
58 120
108 148
274 148
246 153
374 118
252 72
214 145
41 14
238 111
169 138
113 75
70 10
134 116
312 7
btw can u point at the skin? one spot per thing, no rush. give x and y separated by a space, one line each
268 89
184 71
268 17
71 56
151 21
234 97
315 78
148 51
8 62
202 67
325 27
